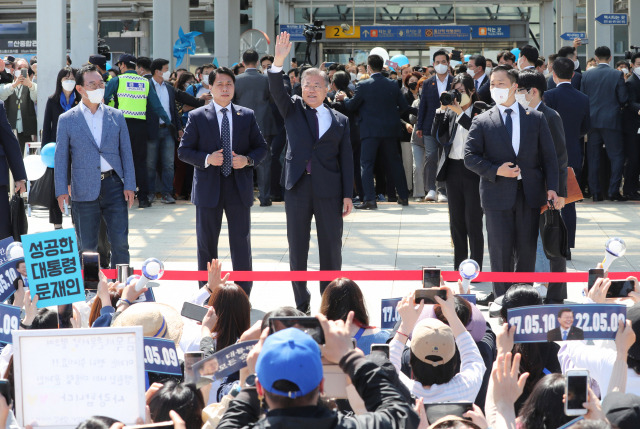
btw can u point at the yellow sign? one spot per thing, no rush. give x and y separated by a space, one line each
336 32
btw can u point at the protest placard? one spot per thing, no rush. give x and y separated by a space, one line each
53 267
160 356
3 249
541 323
389 315
220 364
9 273
9 322
62 377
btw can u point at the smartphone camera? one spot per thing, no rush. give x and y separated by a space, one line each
594 274
576 392
91 269
430 277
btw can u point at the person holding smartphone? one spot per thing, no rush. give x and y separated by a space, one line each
20 98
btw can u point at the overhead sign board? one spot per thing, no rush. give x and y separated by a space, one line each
490 31
613 18
296 31
337 32
418 33
575 35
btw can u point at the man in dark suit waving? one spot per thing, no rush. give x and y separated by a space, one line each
513 153
223 142
10 159
318 170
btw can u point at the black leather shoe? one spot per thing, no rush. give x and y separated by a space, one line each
617 197
568 258
367 205
486 300
265 203
144 204
403 201
597 197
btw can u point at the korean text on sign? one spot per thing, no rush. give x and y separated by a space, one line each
53 267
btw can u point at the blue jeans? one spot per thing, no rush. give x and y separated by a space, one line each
162 148
112 206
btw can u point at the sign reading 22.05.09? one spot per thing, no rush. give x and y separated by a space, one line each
566 322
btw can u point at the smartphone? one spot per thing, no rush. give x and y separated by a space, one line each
123 272
65 314
620 288
455 55
308 325
91 269
193 311
335 382
430 277
160 425
594 274
5 390
23 72
380 348
428 295
189 359
438 410
576 392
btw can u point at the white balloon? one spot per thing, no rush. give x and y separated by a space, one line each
380 51
34 166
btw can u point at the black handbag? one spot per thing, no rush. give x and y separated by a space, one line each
41 192
553 233
19 224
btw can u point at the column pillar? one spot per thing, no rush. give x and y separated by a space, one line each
84 30
51 21
227 31
566 19
604 32
145 41
168 17
634 24
263 20
590 18
547 29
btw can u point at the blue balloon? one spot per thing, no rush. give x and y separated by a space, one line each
401 60
516 52
48 154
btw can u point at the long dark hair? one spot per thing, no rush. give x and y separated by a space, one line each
544 408
182 80
183 398
342 296
467 82
65 72
233 309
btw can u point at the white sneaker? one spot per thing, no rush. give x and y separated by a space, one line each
442 198
431 196
541 288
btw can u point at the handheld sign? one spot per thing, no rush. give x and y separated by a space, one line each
64 376
3 249
8 276
160 356
9 322
536 324
223 363
389 315
53 267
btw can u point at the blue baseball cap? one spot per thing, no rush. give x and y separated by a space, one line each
293 356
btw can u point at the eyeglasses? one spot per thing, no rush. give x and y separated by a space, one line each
94 85
312 87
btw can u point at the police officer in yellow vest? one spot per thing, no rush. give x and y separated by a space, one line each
132 93
100 61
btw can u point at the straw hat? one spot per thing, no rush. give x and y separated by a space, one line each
157 320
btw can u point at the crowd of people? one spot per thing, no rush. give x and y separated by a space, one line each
496 141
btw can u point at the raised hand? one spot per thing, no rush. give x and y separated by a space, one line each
283 47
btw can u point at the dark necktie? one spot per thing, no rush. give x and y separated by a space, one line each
477 85
225 136
508 123
316 130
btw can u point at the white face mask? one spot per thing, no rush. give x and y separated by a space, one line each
441 68
68 85
522 99
625 70
576 64
500 95
205 79
637 70
488 70
17 73
546 72
166 75
96 95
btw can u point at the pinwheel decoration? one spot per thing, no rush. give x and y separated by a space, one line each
185 44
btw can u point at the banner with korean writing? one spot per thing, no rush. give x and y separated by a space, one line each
536 324
160 356
12 273
53 267
223 363
9 322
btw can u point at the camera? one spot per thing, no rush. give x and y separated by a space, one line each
313 31
628 54
446 98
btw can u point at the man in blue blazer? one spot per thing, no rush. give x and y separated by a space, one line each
10 159
607 95
512 151
573 108
93 144
318 170
380 103
223 142
429 102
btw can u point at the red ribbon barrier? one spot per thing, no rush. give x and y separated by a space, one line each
380 275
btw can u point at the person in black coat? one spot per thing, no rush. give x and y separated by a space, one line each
631 124
10 159
450 129
64 98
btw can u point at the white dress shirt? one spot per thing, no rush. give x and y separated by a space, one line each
515 120
562 83
442 86
219 116
163 95
94 122
457 146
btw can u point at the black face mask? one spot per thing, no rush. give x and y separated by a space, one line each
412 86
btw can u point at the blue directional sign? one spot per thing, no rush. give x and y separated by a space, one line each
613 18
491 31
402 33
296 31
571 36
